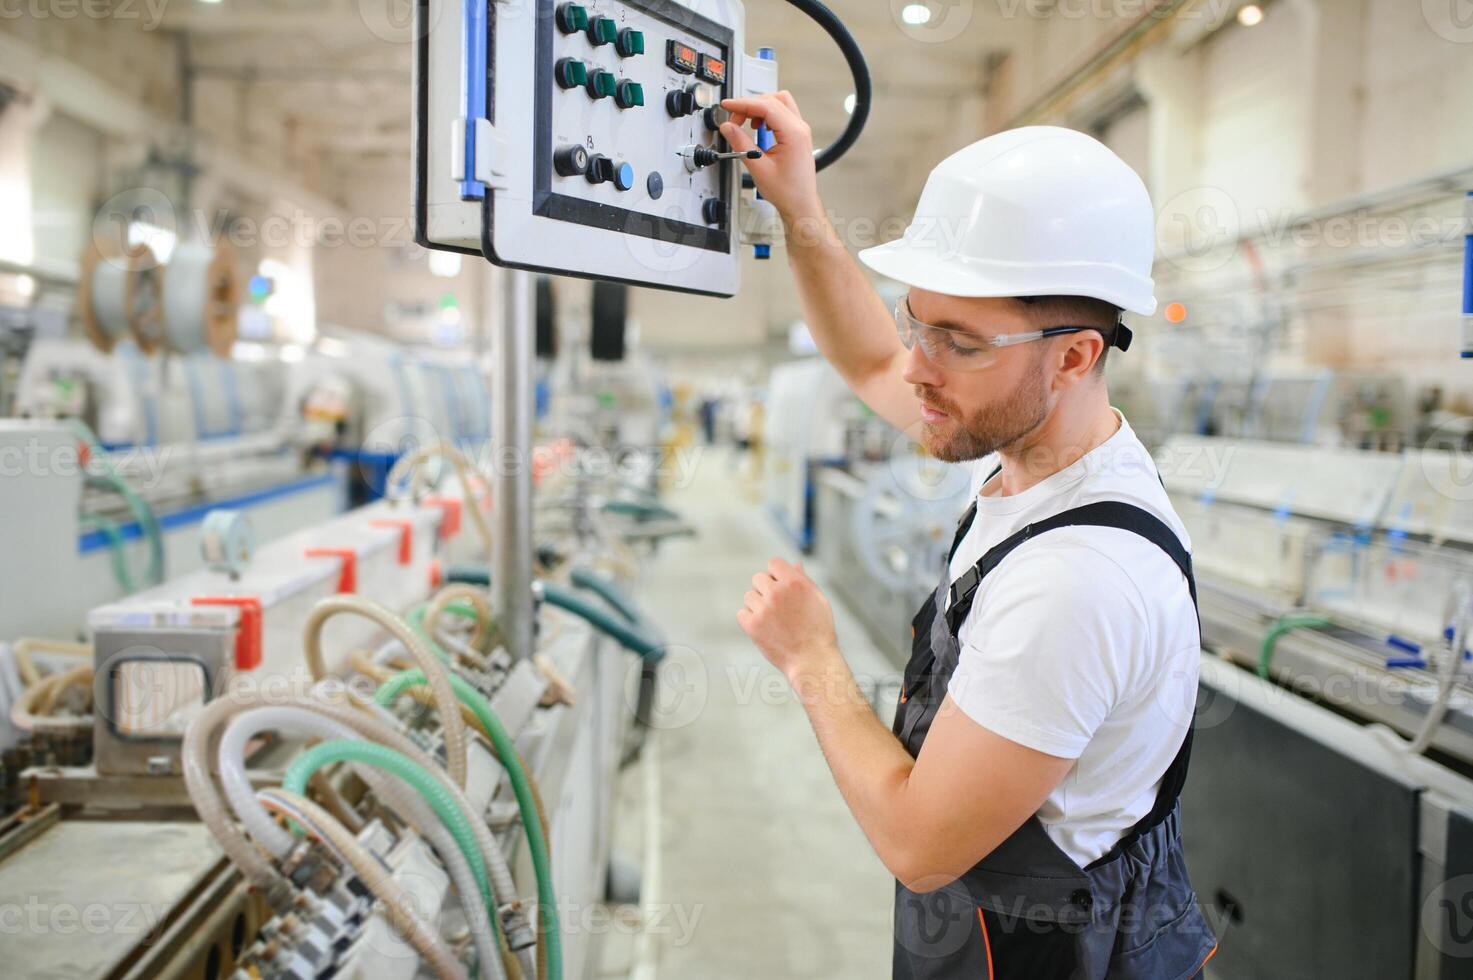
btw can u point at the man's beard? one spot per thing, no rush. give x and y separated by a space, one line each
1000 425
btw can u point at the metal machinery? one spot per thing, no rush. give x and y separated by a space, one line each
199 671
154 446
383 743
1336 720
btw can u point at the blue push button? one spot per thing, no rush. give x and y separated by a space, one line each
624 176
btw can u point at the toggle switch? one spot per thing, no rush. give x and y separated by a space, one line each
630 43
570 73
699 157
600 169
572 18
602 84
602 31
679 104
629 94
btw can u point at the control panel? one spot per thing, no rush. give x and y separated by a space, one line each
596 150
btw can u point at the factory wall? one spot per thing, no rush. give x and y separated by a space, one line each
100 114
1244 129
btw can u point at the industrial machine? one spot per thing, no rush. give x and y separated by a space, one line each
594 149
381 742
1335 591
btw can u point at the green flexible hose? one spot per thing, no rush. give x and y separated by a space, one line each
631 636
627 629
583 578
469 574
111 480
397 764
1282 625
640 511
117 548
521 785
416 620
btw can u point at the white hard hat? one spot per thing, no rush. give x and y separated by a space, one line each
1036 211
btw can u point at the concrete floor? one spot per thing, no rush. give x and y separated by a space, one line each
754 866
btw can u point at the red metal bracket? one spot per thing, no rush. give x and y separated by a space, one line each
450 522
406 536
348 579
248 632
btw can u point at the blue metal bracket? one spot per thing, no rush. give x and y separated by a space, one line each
765 142
472 89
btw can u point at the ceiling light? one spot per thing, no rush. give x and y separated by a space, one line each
1250 15
916 14
850 101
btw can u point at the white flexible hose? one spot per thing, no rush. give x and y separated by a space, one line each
368 721
194 756
389 789
397 904
446 703
464 466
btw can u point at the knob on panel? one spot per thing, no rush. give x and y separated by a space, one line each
600 169
570 72
602 84
602 30
572 18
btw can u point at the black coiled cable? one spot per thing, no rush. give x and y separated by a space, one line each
863 87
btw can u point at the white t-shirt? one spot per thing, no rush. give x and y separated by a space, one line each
1083 643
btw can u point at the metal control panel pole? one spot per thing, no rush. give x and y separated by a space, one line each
511 445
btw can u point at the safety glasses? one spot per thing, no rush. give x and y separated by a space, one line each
958 350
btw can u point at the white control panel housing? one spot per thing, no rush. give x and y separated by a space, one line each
582 150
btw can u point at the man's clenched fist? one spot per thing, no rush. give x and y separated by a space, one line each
789 618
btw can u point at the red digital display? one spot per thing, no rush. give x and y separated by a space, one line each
683 58
713 69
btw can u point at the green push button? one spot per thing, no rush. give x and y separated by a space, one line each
602 84
603 30
631 42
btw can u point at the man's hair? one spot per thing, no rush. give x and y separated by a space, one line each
1075 311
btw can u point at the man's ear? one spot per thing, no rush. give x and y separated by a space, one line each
1080 353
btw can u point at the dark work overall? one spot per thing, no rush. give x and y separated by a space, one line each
1027 911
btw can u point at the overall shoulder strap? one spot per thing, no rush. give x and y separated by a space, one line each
1127 517
1108 513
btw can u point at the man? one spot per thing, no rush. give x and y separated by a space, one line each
1025 799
